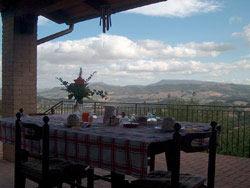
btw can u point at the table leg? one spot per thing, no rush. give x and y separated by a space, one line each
90 182
117 180
152 163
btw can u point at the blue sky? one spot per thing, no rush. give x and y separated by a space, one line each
178 39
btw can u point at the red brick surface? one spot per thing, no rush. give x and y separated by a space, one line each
231 172
19 64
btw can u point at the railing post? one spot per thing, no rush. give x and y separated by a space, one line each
95 107
62 108
135 108
187 113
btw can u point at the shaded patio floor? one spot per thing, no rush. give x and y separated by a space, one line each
231 172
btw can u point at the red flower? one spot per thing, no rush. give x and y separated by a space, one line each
79 80
80 90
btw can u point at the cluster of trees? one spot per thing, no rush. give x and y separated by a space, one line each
235 121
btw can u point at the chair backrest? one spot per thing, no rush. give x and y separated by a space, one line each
35 133
185 143
175 171
199 141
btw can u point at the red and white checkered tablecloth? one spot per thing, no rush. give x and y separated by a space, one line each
114 148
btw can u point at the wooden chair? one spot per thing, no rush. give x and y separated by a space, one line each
163 179
46 171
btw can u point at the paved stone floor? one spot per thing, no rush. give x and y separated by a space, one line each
231 172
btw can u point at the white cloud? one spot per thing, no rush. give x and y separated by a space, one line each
42 20
118 59
173 67
179 8
243 64
111 48
235 19
244 34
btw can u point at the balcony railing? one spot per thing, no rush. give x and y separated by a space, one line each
234 120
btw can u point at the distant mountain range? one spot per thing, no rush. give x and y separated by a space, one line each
176 82
165 90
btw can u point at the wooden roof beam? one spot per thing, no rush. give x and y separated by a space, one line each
59 17
96 4
61 4
134 5
113 10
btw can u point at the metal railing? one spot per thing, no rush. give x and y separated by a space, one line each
234 120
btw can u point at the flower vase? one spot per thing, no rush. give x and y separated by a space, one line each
76 107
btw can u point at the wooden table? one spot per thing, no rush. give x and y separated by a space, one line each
122 151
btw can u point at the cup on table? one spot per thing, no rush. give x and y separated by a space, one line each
113 120
108 113
87 117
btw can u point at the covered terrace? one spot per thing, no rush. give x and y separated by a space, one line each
231 172
19 43
19 76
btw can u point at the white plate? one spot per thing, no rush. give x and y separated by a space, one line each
159 128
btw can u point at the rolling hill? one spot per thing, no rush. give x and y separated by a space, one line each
166 89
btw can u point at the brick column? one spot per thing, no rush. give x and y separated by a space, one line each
19 63
19 67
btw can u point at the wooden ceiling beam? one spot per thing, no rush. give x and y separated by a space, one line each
60 16
2 6
136 4
8 4
96 4
70 11
115 7
61 4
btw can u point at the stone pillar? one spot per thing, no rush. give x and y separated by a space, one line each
19 67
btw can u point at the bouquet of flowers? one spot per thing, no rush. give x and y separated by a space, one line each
80 90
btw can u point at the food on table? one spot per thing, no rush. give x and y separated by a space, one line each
73 119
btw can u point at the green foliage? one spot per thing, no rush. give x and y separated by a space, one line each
234 121
80 90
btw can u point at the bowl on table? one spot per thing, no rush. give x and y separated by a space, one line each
72 121
140 119
151 121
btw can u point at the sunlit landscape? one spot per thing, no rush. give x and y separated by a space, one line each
118 93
